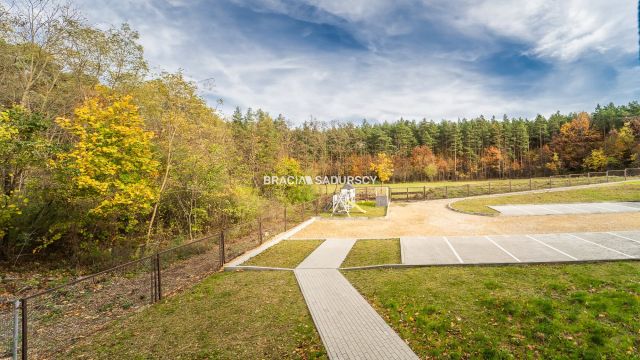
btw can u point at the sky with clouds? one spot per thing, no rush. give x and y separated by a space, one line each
382 60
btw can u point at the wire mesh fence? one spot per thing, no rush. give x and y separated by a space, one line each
54 319
505 186
51 322
9 314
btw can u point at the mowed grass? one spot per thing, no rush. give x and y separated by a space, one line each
369 206
285 254
629 191
239 315
373 252
586 311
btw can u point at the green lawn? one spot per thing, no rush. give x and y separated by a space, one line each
369 206
285 254
586 311
620 192
373 252
232 315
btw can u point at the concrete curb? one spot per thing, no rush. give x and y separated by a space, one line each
254 268
255 251
409 266
401 266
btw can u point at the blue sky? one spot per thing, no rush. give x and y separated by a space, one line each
381 60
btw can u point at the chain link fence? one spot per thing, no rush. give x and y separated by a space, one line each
47 324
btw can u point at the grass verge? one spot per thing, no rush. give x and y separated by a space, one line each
373 252
285 254
537 311
239 315
620 192
369 206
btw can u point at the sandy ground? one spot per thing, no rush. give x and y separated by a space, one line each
426 218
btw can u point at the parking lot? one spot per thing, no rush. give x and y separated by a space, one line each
566 209
534 248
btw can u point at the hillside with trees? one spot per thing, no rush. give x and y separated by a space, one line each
98 155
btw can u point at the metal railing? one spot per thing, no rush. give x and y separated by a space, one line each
48 323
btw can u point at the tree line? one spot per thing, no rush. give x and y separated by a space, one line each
101 157
477 148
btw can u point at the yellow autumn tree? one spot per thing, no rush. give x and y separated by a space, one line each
383 167
110 164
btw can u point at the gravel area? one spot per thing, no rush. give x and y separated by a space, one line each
434 218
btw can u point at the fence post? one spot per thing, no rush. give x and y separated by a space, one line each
158 279
607 175
489 187
16 326
260 229
446 192
407 193
424 193
510 184
285 218
468 190
550 182
589 178
625 174
25 347
366 193
221 245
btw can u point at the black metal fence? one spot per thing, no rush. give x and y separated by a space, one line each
504 186
48 323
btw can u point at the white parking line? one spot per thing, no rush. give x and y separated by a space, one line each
503 249
579 211
602 246
550 209
606 209
624 237
551 247
452 249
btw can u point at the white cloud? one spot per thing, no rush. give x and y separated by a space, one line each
380 86
563 30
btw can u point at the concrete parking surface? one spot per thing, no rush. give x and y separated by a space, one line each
566 209
534 248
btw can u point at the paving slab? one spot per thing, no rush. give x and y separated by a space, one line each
479 250
625 246
528 250
571 208
578 247
329 255
348 326
427 251
629 234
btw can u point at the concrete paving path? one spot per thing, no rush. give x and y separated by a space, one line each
329 255
349 327
563 209
536 248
